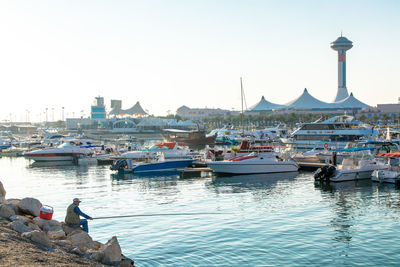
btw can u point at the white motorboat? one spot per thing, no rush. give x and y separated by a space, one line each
67 151
359 165
171 150
390 175
253 164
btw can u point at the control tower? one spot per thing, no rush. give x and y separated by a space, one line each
341 45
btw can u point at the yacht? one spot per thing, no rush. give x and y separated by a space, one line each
390 175
253 164
335 132
65 152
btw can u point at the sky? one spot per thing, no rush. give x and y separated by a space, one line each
169 53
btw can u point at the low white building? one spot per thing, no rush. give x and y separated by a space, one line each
202 113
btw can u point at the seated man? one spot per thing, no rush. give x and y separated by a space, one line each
72 218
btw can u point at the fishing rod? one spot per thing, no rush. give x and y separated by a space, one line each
160 214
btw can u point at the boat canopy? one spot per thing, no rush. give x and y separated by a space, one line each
353 149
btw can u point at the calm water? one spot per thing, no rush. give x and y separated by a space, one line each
279 220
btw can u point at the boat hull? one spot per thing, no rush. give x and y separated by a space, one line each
167 165
386 176
251 168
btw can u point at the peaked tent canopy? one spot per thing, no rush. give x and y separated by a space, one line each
307 101
350 102
135 110
264 105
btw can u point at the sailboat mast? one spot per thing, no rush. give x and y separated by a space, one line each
241 93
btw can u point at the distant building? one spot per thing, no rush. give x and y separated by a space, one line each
202 113
98 110
135 110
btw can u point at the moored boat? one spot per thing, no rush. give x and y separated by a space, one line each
253 164
65 152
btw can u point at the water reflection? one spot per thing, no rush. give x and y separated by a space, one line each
40 164
130 176
253 180
351 202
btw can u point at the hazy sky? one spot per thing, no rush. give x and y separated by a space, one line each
168 53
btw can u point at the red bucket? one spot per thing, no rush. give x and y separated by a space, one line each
46 212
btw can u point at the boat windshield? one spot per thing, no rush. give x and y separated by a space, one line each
70 143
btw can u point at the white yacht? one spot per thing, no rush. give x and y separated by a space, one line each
65 152
253 164
335 132
171 150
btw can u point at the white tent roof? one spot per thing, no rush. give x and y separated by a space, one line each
350 102
264 105
307 101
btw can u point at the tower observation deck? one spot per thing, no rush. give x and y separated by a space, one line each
341 45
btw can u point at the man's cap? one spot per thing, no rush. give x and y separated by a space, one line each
77 200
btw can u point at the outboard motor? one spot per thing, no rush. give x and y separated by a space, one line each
320 173
119 165
324 173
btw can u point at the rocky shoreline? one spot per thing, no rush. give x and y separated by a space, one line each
28 240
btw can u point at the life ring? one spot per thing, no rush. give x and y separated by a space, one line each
326 145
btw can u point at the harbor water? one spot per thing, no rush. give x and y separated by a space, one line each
264 220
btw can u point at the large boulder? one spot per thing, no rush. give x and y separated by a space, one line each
112 251
82 240
32 226
26 220
95 255
13 201
30 206
6 211
42 223
55 234
20 227
41 238
68 229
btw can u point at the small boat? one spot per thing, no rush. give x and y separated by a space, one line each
170 150
359 165
390 175
160 165
253 164
65 152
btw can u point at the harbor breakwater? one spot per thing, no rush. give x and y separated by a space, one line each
27 239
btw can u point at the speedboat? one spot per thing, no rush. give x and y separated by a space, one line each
171 150
359 165
67 151
253 164
390 175
159 165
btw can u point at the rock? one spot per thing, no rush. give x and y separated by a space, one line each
42 222
30 205
95 255
77 251
27 235
82 240
6 211
112 251
33 226
2 191
14 201
52 228
98 245
6 235
56 234
64 242
70 229
20 217
126 262
41 238
20 227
